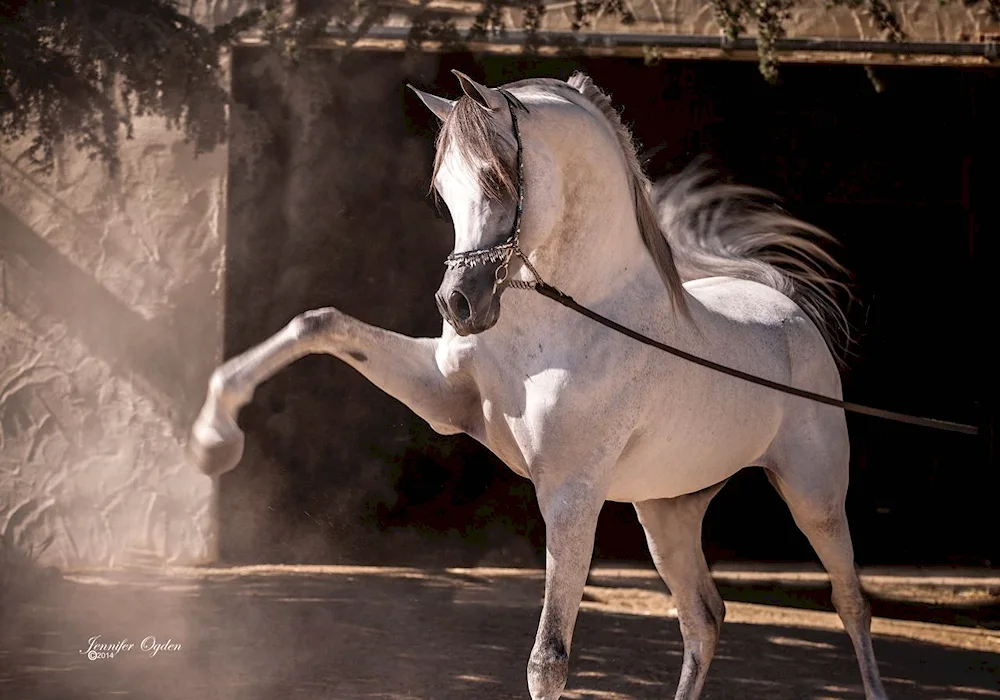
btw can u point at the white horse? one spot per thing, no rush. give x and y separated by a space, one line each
585 413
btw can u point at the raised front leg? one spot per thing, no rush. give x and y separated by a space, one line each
405 368
570 513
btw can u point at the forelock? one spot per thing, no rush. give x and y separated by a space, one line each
474 135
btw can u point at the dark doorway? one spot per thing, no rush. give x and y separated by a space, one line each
328 206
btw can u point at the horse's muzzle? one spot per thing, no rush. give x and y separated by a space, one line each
468 301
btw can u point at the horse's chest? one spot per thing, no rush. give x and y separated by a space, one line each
560 412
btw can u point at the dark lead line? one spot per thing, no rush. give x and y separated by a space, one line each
568 301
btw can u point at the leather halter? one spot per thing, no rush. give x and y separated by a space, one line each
503 252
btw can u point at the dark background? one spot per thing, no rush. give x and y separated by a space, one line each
328 205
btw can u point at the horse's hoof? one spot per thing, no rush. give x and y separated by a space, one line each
216 443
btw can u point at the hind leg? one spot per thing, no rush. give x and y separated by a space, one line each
673 532
811 477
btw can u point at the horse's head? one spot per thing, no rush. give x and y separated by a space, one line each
477 174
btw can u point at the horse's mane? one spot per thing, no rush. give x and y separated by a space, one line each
722 229
471 130
645 216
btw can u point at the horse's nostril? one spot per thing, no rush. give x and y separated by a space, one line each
460 306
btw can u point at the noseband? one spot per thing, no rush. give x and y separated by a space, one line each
503 252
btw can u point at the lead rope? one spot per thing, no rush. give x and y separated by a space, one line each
512 247
547 290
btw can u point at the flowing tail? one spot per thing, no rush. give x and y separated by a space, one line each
720 229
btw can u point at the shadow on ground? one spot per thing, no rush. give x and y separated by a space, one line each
407 634
970 599
981 611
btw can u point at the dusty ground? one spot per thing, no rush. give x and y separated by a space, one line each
337 632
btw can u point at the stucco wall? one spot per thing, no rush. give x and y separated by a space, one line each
110 308
110 324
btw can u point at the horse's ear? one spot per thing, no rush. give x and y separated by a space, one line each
438 105
485 97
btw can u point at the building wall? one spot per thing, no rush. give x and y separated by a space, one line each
111 319
110 324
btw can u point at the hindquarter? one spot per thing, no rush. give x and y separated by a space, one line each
811 451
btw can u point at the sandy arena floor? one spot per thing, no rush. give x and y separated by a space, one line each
310 632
